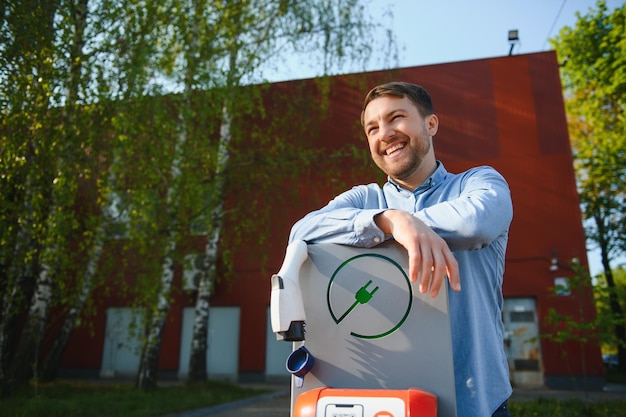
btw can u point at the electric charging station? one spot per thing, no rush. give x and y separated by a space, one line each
368 329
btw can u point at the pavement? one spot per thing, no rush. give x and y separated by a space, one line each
277 402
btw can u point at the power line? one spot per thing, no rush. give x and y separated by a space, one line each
553 24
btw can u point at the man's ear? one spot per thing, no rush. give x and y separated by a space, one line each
432 124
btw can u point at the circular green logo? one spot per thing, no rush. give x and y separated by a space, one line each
371 294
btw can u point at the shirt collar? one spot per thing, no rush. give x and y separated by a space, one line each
437 177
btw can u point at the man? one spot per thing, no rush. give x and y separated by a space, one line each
453 225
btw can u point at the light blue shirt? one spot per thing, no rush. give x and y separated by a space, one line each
472 212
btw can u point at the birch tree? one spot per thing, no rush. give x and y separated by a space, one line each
249 34
142 103
30 141
49 87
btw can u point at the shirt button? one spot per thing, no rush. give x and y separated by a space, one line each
377 239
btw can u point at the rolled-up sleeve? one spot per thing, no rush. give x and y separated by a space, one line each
347 219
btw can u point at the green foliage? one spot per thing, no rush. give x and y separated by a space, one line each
593 70
594 80
578 323
607 319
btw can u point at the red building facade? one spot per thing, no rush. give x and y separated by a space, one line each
506 112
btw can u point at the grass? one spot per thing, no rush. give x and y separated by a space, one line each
82 399
571 408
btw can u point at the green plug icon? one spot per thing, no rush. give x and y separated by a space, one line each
362 296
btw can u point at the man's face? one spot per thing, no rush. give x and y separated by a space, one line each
400 139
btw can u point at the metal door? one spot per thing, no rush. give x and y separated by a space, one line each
122 343
522 342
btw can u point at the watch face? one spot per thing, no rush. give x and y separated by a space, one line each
369 294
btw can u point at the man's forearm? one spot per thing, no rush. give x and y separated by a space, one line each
346 226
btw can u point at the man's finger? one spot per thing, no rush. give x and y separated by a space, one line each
426 272
414 265
453 273
439 274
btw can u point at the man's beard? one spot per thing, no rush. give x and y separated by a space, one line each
408 167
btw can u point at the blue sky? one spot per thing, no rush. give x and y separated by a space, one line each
457 30
439 31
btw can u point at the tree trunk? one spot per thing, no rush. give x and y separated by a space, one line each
25 361
12 308
31 294
15 293
616 310
199 346
147 376
198 370
79 15
53 359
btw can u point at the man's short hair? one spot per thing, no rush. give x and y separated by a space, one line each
416 93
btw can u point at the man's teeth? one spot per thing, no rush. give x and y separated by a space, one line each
394 148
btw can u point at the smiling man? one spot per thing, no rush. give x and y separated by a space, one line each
452 225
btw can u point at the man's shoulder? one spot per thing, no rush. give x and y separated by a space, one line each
483 176
363 196
367 187
481 168
480 171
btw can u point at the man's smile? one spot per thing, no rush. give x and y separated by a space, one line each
394 148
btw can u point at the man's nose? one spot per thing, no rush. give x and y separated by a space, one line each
386 132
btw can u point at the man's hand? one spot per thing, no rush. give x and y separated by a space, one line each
430 258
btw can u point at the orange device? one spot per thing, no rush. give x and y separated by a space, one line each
342 402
